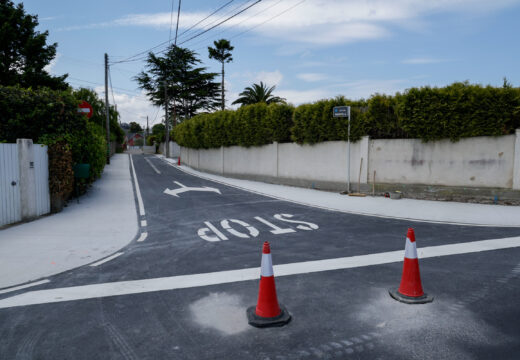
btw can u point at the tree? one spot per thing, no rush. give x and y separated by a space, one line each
222 53
135 127
99 115
190 89
23 50
257 94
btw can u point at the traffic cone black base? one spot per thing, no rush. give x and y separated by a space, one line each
425 298
262 322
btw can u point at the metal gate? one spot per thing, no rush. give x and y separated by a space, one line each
10 210
34 190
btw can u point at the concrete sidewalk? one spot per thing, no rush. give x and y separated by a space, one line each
103 222
407 209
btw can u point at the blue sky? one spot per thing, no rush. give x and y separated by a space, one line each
309 49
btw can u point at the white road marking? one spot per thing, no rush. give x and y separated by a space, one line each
137 190
191 172
15 288
144 223
112 257
223 277
183 189
142 237
203 233
152 165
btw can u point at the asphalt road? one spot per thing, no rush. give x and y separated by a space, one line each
338 314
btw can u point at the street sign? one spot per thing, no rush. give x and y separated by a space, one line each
341 111
85 108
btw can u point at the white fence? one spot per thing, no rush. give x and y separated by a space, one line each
24 181
488 162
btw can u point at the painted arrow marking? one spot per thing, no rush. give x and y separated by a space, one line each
183 189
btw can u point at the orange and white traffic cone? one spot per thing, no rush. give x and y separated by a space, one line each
267 312
410 290
179 161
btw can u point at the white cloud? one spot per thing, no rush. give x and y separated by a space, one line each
312 77
351 90
297 97
270 78
49 67
422 60
133 107
321 21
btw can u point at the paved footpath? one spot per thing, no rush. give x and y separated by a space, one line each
181 287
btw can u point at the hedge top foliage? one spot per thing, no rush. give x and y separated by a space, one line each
452 112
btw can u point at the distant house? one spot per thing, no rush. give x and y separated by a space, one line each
131 139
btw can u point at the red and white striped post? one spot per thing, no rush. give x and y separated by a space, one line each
410 290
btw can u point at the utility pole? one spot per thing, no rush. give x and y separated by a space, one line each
107 109
167 145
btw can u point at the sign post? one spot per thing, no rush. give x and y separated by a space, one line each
344 111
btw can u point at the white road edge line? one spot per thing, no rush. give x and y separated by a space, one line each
20 287
142 237
190 171
137 190
107 259
230 276
152 165
144 223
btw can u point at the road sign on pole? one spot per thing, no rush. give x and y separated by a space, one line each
85 108
344 111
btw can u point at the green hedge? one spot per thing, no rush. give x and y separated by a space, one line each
50 117
452 112
459 110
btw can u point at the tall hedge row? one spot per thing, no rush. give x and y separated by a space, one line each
452 112
250 125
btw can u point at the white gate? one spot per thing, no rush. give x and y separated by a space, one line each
23 197
10 210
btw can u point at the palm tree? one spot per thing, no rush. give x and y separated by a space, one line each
257 94
221 52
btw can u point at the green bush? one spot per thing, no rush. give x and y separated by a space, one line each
455 111
381 120
459 110
314 123
50 117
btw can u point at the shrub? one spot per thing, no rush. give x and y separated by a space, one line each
314 123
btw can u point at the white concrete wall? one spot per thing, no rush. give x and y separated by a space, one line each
257 160
149 149
325 161
472 162
516 166
211 160
478 161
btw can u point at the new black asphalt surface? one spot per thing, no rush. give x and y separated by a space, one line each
336 314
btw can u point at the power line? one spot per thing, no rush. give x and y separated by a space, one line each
111 88
135 56
189 39
270 19
177 27
237 24
171 23
231 11
200 21
220 23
